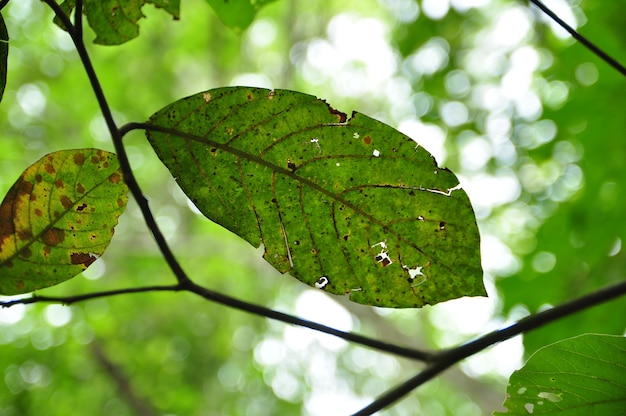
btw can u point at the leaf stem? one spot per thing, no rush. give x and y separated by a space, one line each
586 42
445 359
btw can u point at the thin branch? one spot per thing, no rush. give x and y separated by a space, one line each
592 47
283 317
78 19
447 358
122 156
140 406
68 300
236 304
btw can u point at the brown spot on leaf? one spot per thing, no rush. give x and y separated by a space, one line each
95 160
115 178
81 207
53 236
26 253
38 177
85 259
59 183
24 188
46 250
79 159
50 169
367 140
66 202
120 202
80 188
249 96
24 235
38 212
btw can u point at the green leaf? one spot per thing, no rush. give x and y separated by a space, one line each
237 14
115 21
4 55
58 218
584 375
350 206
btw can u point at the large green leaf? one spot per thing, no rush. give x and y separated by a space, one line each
350 206
115 21
237 14
584 375
58 218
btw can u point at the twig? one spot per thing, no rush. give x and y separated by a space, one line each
140 406
446 359
68 300
236 304
122 156
592 47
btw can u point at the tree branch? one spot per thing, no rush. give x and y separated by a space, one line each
236 304
445 359
116 137
140 406
586 42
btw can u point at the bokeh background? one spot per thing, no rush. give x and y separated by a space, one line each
532 123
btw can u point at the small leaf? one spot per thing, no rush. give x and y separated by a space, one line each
349 206
58 218
237 14
4 55
115 21
584 375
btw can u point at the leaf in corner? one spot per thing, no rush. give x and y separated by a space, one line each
4 55
349 206
584 375
58 218
237 14
115 21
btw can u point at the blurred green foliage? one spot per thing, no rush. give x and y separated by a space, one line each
530 121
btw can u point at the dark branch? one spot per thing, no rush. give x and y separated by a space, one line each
68 300
78 19
140 406
592 47
446 359
122 156
236 304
